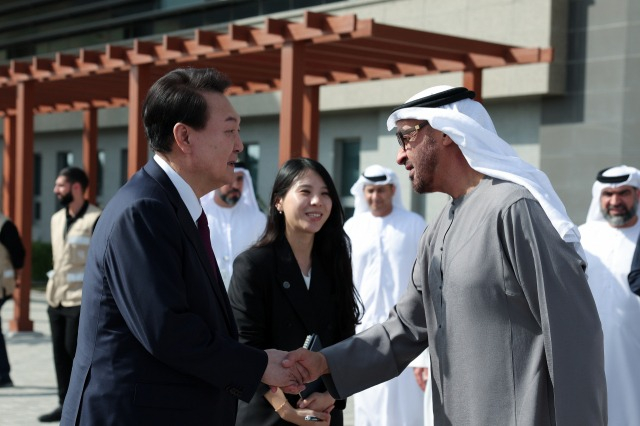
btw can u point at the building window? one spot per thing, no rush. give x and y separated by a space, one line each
124 162
64 159
37 174
348 167
41 27
250 156
36 211
37 185
102 158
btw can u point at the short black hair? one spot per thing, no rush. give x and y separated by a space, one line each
75 175
177 98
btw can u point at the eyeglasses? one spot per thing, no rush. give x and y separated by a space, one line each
409 135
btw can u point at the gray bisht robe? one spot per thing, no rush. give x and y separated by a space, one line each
504 305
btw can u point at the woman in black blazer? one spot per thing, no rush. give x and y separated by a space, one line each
295 281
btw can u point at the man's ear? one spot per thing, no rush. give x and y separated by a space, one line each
77 187
447 140
181 136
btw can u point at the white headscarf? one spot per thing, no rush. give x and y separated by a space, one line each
247 201
633 179
234 228
375 171
468 124
248 196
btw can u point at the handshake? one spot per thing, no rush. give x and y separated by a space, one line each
291 370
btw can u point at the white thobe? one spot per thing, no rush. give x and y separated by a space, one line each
609 253
383 252
232 230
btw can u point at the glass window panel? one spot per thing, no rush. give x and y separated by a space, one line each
245 10
273 6
217 15
348 164
250 156
169 4
64 159
124 162
37 174
37 185
36 211
61 25
102 159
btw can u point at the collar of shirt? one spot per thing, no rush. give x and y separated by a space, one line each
186 193
81 212
72 219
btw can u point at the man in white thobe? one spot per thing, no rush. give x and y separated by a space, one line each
609 239
235 220
384 240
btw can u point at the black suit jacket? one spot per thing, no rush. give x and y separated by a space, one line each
274 309
157 342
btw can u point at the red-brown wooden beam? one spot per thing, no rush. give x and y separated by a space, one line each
90 151
375 51
139 83
8 166
291 108
310 121
472 80
24 200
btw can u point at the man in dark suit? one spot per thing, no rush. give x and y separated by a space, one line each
158 343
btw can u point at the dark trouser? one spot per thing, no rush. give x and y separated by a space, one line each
64 336
5 368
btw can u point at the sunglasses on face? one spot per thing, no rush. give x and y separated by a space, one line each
409 135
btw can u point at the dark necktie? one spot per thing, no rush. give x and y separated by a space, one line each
203 230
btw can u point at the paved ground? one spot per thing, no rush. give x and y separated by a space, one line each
31 359
32 372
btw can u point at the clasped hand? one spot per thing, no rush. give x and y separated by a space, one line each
290 371
277 375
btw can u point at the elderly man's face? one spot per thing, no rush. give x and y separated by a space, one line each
213 150
619 205
380 199
421 157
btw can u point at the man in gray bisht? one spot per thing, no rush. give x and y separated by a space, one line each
498 291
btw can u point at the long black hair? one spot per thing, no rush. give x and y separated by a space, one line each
331 245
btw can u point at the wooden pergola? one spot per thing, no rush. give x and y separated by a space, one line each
295 58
